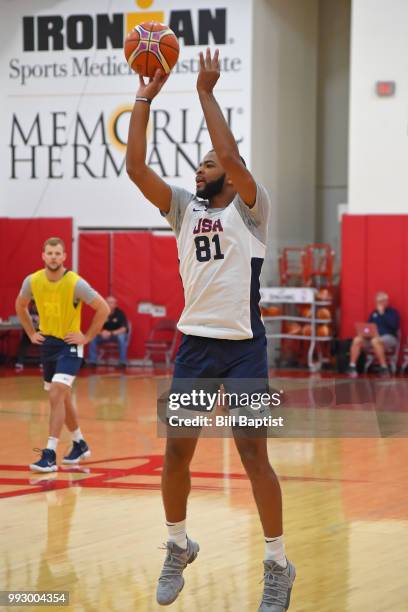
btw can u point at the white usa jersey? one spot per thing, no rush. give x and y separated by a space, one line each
221 252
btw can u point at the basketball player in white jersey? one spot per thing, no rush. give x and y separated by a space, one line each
221 235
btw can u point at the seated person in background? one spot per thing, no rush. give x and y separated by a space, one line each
115 329
387 320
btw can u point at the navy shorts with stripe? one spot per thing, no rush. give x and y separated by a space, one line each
58 357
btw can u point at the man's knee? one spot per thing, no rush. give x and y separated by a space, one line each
178 453
377 342
254 457
58 391
358 341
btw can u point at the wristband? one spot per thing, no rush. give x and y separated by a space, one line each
143 99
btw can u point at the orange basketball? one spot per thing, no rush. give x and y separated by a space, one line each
294 329
323 313
323 330
307 330
324 295
305 311
149 46
271 311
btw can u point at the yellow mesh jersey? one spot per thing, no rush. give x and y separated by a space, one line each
55 304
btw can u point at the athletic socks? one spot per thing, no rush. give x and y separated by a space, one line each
77 435
274 547
177 533
275 550
52 443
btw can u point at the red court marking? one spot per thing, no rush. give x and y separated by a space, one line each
100 477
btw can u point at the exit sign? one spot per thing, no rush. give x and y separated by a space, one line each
385 89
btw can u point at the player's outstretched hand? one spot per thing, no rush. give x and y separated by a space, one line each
75 338
37 338
209 71
151 88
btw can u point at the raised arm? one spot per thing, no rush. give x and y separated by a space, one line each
221 136
150 184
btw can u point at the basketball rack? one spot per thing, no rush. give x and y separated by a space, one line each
297 295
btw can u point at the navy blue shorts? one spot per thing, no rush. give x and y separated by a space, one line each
61 361
241 366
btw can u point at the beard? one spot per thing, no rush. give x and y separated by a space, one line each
53 267
211 189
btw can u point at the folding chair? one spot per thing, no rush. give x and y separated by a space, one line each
391 355
161 341
404 364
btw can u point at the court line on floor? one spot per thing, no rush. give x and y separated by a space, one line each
102 477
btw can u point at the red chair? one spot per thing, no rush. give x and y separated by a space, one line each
161 341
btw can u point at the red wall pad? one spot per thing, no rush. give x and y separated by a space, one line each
134 267
132 276
374 258
21 242
93 260
167 288
94 266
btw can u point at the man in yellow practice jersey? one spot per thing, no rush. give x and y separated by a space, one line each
58 294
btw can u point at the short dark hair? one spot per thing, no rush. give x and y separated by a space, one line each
54 241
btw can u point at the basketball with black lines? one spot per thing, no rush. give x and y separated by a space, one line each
149 46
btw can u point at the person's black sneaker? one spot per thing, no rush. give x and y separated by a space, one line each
384 372
78 451
352 371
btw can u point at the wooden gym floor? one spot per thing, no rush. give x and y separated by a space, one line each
95 531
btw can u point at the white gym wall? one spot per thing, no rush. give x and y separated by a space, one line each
284 116
378 155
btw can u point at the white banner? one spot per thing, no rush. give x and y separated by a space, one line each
287 295
68 92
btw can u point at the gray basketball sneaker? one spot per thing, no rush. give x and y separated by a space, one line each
171 579
278 582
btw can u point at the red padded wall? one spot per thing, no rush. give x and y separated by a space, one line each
21 242
353 273
374 258
93 260
134 267
166 282
132 274
93 266
385 261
